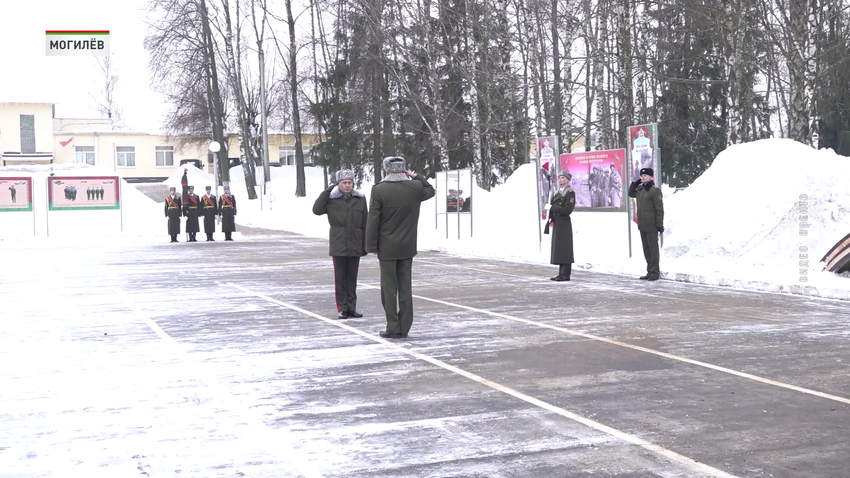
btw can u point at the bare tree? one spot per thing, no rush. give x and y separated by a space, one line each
107 105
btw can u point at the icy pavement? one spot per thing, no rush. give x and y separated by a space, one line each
136 357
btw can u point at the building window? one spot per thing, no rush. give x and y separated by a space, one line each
28 134
126 156
85 155
165 156
287 156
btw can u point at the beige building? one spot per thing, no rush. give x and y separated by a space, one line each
31 134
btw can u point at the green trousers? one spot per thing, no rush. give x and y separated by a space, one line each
397 294
651 253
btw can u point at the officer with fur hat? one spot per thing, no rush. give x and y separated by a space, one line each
391 232
347 214
560 207
650 216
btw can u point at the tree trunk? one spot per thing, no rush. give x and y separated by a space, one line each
558 112
245 137
798 115
603 106
214 93
626 93
300 182
472 58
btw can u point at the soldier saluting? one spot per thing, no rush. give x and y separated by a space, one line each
173 211
210 211
227 211
191 211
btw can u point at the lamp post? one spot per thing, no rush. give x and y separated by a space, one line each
115 155
214 149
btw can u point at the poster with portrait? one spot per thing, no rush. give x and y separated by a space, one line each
643 153
599 179
543 187
547 154
83 193
15 194
459 191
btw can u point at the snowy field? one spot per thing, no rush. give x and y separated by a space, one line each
738 225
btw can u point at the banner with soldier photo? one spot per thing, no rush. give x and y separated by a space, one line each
547 171
83 192
15 194
643 153
599 179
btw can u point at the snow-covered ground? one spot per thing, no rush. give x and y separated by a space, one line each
738 225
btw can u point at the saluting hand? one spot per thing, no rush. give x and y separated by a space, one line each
410 174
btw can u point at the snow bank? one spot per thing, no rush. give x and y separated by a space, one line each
738 225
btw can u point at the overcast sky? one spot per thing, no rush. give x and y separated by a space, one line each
31 75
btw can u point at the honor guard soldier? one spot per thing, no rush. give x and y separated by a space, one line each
191 211
560 208
210 211
227 211
173 211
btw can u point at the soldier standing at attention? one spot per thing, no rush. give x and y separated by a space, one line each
347 213
173 211
192 211
227 211
562 205
210 211
391 232
650 216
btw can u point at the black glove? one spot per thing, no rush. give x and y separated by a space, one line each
661 229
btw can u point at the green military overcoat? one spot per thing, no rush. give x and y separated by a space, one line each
392 226
650 206
347 218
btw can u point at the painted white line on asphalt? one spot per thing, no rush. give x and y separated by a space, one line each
633 347
657 449
266 434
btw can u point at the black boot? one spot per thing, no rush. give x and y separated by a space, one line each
173 238
209 237
227 236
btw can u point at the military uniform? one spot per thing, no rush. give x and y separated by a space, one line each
391 232
616 188
173 211
192 210
227 211
347 214
560 208
650 216
209 209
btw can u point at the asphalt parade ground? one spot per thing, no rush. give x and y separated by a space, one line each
136 357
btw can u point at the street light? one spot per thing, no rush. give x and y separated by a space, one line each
214 149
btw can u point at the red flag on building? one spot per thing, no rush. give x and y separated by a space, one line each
65 143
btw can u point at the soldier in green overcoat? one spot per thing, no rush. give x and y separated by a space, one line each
650 216
560 207
391 232
347 213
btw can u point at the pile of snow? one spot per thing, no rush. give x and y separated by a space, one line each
737 225
761 217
